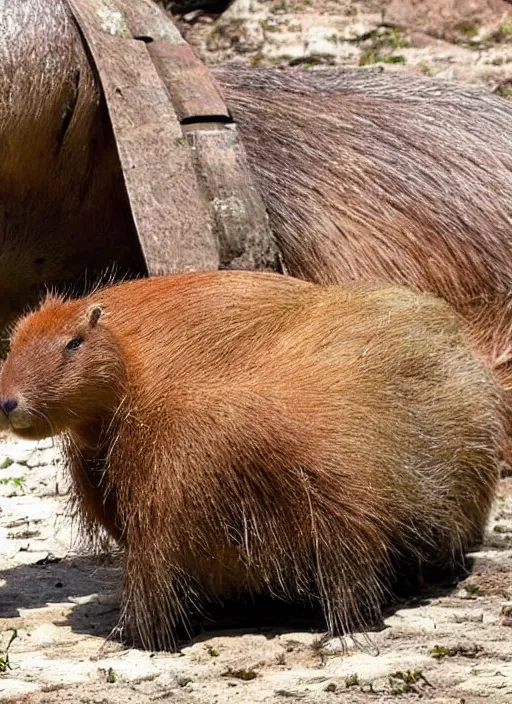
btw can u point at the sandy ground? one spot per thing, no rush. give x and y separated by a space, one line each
58 604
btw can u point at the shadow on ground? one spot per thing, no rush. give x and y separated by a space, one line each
92 585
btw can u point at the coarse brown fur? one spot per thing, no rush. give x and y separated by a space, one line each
365 175
64 213
406 190
241 431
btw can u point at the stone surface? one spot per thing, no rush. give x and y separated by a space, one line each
466 40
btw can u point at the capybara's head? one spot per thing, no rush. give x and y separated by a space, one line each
62 368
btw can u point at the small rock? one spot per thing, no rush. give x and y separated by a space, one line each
468 617
183 681
506 613
464 594
41 458
321 41
191 16
81 600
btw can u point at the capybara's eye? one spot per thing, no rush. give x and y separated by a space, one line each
74 343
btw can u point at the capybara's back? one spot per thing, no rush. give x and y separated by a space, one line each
256 432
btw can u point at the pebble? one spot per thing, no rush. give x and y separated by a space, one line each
44 457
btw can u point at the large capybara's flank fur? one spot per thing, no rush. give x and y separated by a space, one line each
64 214
388 177
237 431
365 175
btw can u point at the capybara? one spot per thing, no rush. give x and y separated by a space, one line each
242 431
365 175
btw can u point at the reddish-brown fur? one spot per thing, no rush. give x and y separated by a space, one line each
238 431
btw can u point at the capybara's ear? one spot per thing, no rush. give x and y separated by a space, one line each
94 314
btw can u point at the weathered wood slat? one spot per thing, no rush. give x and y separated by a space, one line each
239 212
170 215
193 199
191 87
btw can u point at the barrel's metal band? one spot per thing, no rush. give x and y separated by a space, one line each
192 196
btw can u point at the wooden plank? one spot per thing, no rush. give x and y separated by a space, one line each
172 220
194 201
194 92
241 221
192 88
237 210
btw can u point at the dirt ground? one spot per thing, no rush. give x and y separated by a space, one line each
57 604
466 40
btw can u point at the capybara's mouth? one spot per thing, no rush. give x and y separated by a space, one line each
27 425
18 417
23 421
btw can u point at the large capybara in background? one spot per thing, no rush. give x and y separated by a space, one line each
64 216
240 431
364 175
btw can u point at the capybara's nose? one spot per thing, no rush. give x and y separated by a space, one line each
9 405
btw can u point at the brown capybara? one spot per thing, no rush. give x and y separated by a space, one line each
365 175
246 431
